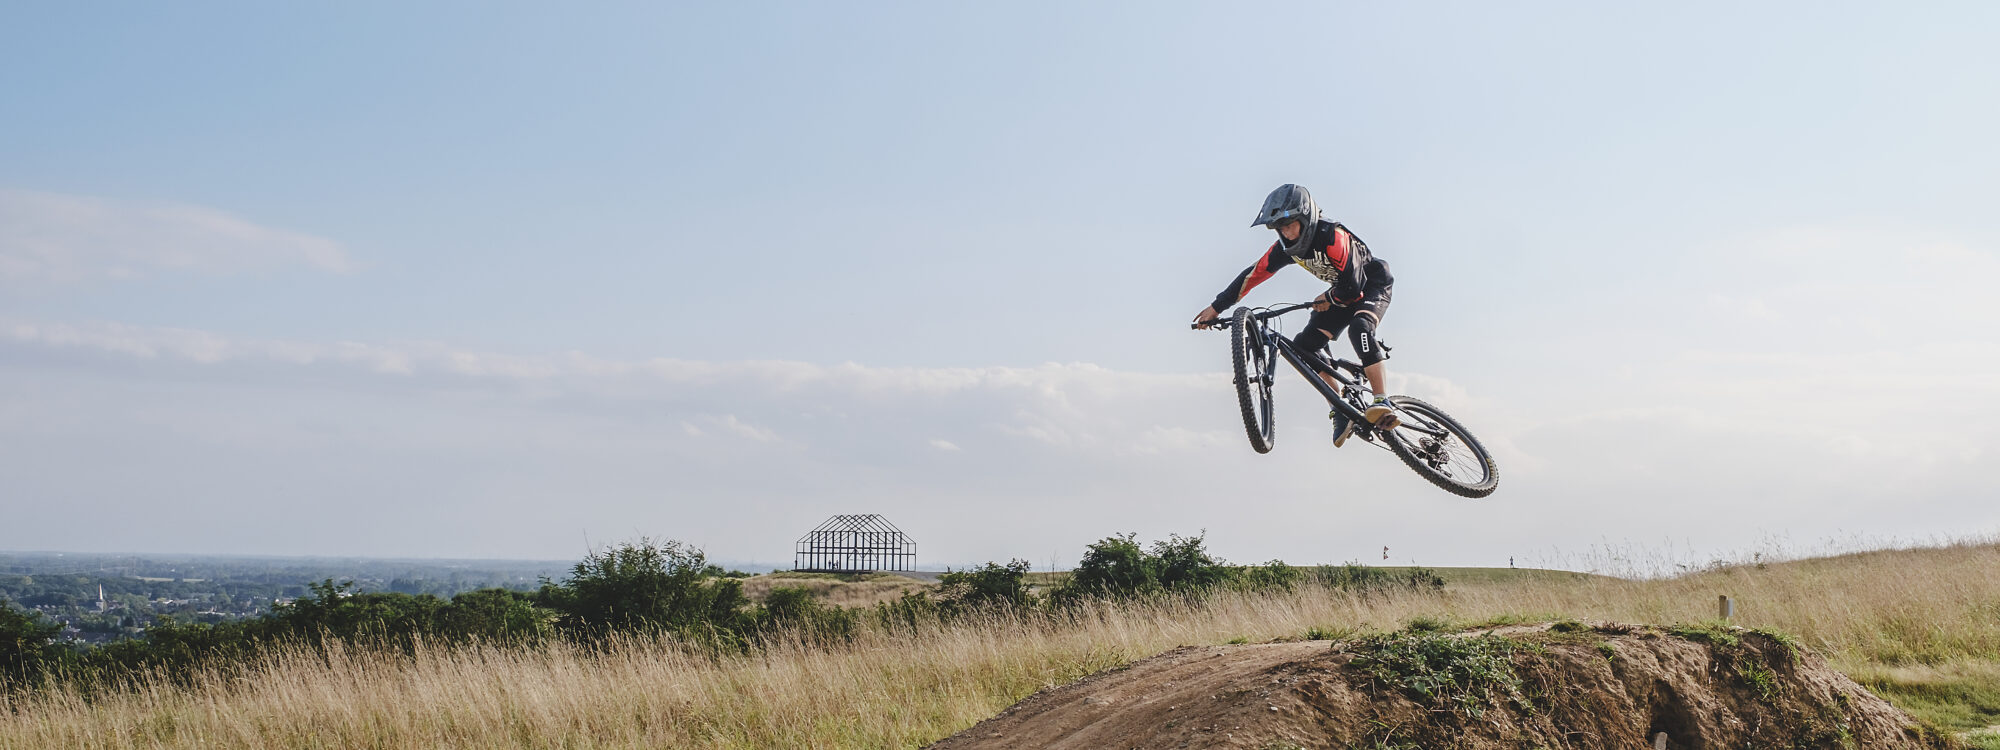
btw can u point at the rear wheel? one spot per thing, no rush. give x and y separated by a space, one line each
1252 358
1451 458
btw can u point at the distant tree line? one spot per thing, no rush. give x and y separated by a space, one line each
642 588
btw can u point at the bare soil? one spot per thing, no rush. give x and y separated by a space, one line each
1599 687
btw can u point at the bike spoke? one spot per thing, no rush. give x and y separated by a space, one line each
1448 455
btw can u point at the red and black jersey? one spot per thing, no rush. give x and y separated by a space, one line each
1336 256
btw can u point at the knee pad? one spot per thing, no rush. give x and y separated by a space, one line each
1310 341
1361 333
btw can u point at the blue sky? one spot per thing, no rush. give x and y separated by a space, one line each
477 279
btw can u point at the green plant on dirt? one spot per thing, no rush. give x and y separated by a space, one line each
1317 633
1786 640
1759 677
1427 624
1608 651
1460 673
1511 618
1713 633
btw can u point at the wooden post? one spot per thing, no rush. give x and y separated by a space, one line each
1725 606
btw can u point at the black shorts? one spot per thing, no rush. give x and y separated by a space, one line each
1335 319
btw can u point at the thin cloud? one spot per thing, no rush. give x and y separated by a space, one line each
1756 400
71 238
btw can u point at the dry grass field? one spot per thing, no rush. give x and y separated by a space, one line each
1921 627
841 590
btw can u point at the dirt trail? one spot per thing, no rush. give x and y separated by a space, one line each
1607 687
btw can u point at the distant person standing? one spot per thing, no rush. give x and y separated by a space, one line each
1355 303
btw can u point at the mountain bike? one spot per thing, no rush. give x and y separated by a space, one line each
1428 440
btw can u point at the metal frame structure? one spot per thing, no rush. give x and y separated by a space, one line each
855 544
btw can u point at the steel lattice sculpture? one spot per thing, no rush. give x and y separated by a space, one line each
855 544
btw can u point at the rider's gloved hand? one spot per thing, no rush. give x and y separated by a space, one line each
1205 317
1321 303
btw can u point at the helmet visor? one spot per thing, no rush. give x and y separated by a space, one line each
1281 217
1287 202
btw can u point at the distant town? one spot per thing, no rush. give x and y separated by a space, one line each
102 598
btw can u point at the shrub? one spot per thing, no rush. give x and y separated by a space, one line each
915 610
791 608
334 610
991 584
1185 566
1114 566
1273 575
27 644
495 615
646 587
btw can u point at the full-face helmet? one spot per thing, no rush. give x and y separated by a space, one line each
1290 202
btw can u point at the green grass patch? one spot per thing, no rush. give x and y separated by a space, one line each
1479 576
1511 618
1317 633
1427 624
1713 633
1760 678
1985 739
1956 700
1462 674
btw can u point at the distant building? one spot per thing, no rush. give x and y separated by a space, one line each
855 544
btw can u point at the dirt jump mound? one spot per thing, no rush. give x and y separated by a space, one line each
1560 685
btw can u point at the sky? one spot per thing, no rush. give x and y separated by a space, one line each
508 280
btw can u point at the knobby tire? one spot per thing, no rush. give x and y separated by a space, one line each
1253 376
1461 486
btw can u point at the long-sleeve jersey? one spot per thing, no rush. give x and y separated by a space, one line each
1336 256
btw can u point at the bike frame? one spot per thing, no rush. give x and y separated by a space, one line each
1263 337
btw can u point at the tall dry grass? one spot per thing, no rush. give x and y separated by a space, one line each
1911 610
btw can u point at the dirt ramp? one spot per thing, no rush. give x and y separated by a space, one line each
1560 685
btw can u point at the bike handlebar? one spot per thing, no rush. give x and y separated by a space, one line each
1222 322
1267 314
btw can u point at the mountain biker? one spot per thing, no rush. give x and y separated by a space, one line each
1355 303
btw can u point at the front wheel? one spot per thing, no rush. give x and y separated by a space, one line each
1442 450
1252 358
